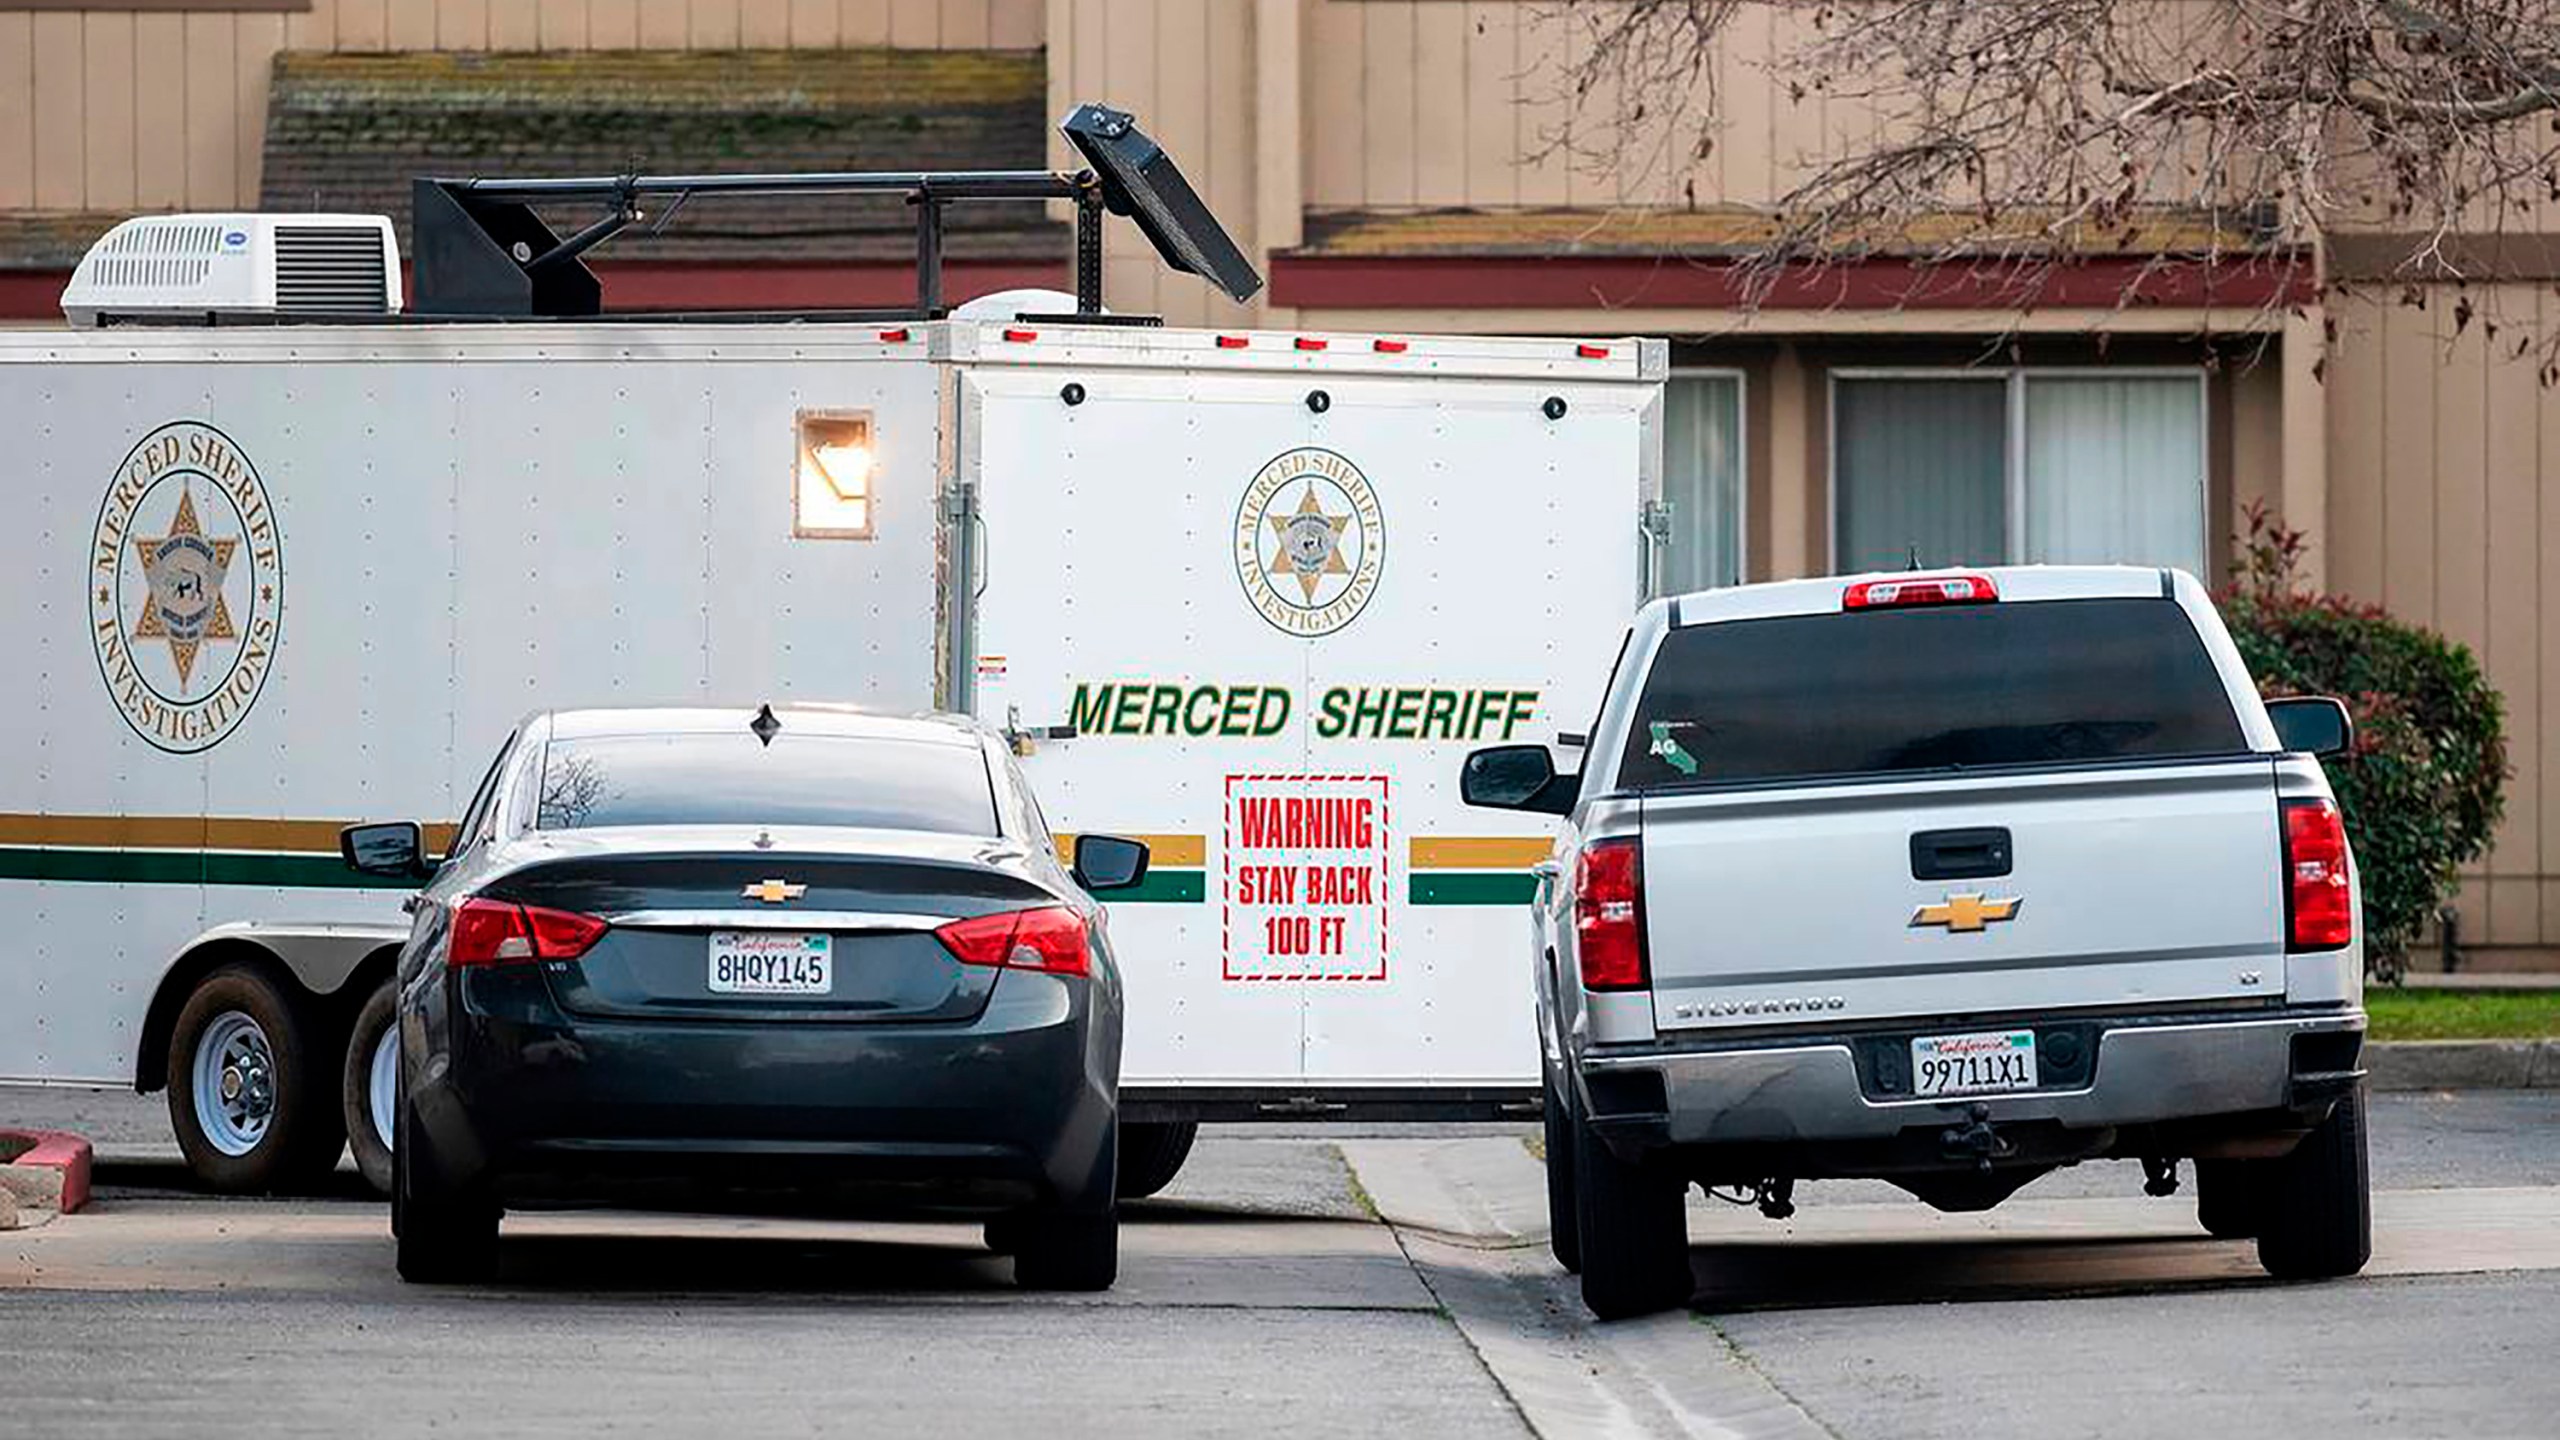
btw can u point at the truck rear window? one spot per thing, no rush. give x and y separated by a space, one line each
1936 689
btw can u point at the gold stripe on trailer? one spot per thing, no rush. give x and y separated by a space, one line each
1478 852
186 832
1162 850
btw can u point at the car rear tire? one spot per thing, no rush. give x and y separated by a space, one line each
250 1086
1564 1228
1632 1222
1067 1252
2318 1220
441 1236
2231 1197
368 1102
1151 1154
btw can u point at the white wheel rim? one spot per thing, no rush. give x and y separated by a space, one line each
383 1085
235 1083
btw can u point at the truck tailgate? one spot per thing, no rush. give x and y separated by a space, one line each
2130 886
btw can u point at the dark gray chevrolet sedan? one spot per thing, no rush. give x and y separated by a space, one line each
797 960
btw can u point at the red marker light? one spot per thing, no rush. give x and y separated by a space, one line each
1919 590
1388 347
1022 337
1592 352
893 336
1309 342
1233 342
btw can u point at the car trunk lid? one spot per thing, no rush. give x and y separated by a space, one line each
778 935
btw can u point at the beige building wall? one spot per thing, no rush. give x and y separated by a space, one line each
123 110
2444 508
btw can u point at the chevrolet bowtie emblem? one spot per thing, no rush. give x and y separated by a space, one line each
1962 913
774 892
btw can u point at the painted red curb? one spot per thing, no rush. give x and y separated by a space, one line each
60 1150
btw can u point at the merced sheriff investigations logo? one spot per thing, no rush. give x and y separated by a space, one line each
186 587
1309 541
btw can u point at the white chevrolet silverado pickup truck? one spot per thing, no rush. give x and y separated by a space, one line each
1948 879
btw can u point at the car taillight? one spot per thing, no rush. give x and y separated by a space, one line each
1920 590
1051 938
1608 916
2319 909
498 932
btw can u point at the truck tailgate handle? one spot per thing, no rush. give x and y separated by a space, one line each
1977 854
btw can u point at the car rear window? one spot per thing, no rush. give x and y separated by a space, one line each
1887 692
864 781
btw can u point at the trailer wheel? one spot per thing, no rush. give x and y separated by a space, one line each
1151 1154
249 1086
368 1092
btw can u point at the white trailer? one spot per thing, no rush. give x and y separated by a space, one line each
1249 595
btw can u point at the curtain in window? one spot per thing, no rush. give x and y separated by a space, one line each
1702 482
1922 466
2115 471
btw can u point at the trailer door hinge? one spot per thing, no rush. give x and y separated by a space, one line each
1655 521
959 502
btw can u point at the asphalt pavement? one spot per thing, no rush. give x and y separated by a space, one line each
1310 1281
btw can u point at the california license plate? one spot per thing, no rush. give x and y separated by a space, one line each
1980 1064
766 962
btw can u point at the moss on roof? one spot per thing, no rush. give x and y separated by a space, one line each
348 132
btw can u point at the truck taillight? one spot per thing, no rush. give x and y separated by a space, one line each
1608 916
1050 938
1920 590
500 932
2319 909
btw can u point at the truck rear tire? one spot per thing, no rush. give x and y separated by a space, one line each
1633 1224
2231 1196
1564 1228
2318 1218
251 1091
367 1101
1151 1154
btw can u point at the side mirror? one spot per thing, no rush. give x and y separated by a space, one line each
1516 777
2312 725
396 849
1108 862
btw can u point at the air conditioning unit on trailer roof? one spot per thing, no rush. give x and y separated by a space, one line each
211 266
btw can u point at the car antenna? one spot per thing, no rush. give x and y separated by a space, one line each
764 725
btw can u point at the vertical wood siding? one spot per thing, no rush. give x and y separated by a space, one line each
2444 507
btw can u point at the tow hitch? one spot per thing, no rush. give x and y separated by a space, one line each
1977 1140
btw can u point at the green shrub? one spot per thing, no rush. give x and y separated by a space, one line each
2423 785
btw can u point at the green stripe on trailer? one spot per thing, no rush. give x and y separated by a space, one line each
1163 887
1472 887
189 867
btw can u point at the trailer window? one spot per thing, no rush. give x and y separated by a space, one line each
867 782
1923 690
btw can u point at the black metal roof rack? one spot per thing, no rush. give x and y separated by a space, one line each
479 249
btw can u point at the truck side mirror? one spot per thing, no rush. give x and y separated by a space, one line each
396 849
1516 777
2312 725
1108 862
